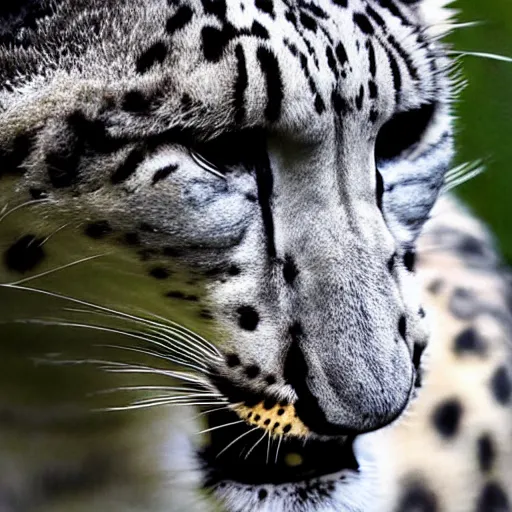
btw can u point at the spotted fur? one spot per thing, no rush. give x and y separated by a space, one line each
268 170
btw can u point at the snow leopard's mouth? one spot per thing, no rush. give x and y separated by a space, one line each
245 454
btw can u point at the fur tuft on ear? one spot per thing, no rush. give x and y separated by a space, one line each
438 17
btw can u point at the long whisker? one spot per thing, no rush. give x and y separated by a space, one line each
278 446
118 367
52 271
255 444
268 448
146 406
142 388
484 55
182 340
117 331
235 440
183 328
221 426
96 307
27 203
53 234
201 368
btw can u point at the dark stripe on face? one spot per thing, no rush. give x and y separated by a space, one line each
394 10
407 59
371 58
128 167
395 71
265 183
270 68
240 84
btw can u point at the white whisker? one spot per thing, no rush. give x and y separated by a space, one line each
160 339
268 448
142 388
53 234
235 440
277 451
483 55
52 271
221 426
146 406
255 445
27 203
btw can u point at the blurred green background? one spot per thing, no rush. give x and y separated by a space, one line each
485 113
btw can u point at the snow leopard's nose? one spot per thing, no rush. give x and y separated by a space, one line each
334 399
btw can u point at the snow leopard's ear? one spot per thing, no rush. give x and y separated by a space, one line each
437 16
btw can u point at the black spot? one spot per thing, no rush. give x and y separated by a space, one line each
259 30
360 98
128 167
290 270
446 417
262 494
363 23
501 385
435 286
214 41
372 89
25 254
270 379
156 53
252 371
232 360
486 453
276 425
493 499
308 21
471 246
248 318
280 412
136 102
98 230
163 173
319 104
267 422
340 3
409 260
233 270
402 326
159 273
338 103
240 85
216 7
175 294
179 19
463 304
341 54
270 68
287 428
37 193
257 417
418 498
206 314
266 6
469 341
12 158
